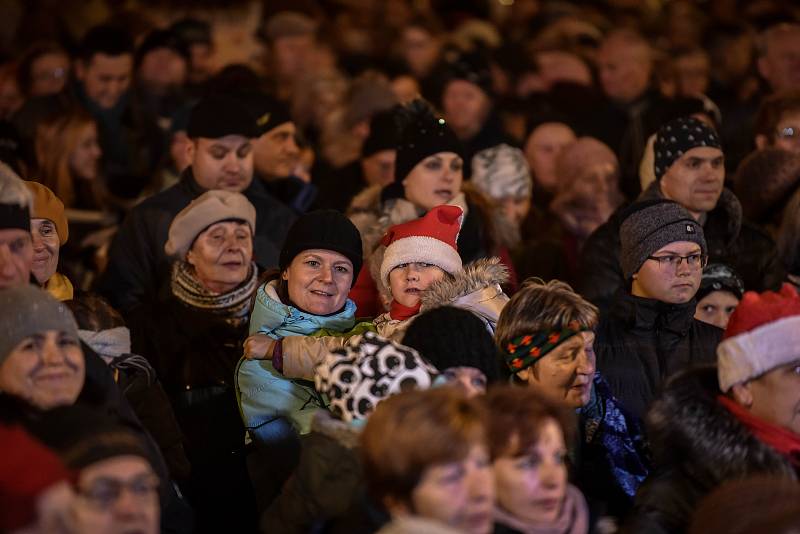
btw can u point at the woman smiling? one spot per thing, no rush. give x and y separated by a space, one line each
192 335
50 231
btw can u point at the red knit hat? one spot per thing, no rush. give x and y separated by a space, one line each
429 239
27 469
763 333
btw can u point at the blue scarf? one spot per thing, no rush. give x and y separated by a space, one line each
616 436
278 320
264 394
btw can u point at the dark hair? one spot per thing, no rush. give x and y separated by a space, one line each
93 312
31 55
105 39
771 110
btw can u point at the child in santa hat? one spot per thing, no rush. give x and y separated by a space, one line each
421 269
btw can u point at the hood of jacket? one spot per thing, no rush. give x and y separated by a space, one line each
476 288
691 431
276 319
724 222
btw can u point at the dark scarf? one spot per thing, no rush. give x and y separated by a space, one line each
233 307
782 440
399 312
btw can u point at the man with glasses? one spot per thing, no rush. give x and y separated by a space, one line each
689 169
778 122
650 332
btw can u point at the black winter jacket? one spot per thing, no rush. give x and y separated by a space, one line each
640 342
195 353
731 240
137 263
698 445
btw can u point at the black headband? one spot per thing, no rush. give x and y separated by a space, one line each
15 216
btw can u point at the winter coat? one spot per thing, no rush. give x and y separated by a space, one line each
698 445
640 342
476 289
195 353
137 263
137 380
325 483
100 392
485 232
612 458
731 240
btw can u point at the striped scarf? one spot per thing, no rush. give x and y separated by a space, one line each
233 307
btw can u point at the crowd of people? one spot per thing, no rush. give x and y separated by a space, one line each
522 266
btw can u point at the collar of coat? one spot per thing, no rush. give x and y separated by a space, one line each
724 221
645 314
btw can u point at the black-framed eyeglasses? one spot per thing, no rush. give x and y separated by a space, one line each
104 492
694 261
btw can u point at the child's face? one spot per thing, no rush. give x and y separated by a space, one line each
407 281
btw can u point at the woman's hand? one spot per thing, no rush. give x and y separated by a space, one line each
258 347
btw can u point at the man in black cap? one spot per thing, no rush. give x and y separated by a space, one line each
276 154
689 169
222 133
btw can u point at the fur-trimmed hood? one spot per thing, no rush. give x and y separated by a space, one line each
691 431
476 289
343 433
724 220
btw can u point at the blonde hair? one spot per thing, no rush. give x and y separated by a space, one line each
543 306
13 189
56 140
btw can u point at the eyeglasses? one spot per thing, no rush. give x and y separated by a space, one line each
104 492
673 261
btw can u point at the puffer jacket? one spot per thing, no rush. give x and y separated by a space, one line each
698 445
640 342
731 240
485 232
325 484
476 289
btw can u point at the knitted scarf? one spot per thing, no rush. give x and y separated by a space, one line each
784 441
233 306
573 518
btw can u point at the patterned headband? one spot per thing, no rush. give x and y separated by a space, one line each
524 351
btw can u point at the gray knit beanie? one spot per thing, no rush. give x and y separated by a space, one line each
650 225
28 310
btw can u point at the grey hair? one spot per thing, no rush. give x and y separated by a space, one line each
543 306
12 189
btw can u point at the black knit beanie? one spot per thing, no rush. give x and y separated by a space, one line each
453 337
472 67
422 134
220 115
383 134
720 277
327 230
676 138
269 113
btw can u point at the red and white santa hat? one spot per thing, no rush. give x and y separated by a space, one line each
763 333
429 239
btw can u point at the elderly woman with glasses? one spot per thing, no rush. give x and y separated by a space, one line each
650 332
